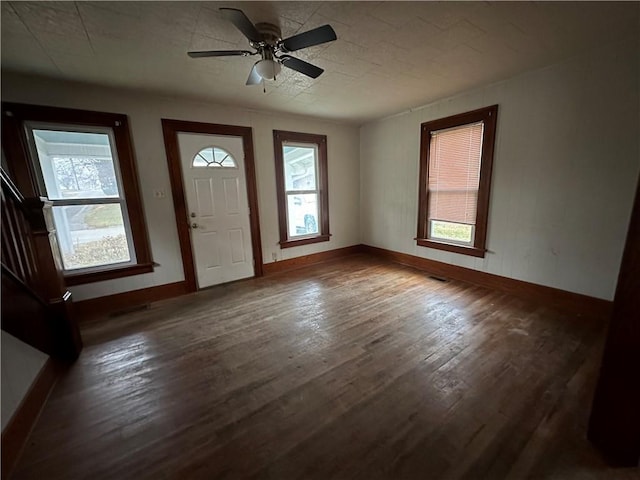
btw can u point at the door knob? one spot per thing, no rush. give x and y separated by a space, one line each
194 225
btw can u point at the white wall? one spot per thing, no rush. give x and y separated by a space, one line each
565 170
20 366
145 112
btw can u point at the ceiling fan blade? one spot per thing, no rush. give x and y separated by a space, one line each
254 78
301 66
242 23
220 53
309 39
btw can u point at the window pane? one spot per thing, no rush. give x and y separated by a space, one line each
91 235
214 157
455 232
454 173
302 213
299 167
76 164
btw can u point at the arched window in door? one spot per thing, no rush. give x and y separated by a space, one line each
214 157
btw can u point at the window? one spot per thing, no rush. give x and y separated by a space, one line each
301 179
82 161
214 157
456 154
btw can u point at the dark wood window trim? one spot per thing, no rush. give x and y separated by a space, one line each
488 115
72 279
170 130
15 145
279 138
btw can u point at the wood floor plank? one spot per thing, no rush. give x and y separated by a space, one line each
355 368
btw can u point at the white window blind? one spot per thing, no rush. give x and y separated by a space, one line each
454 173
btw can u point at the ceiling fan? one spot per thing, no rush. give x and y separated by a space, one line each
266 39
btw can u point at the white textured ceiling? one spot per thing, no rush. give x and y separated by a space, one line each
389 55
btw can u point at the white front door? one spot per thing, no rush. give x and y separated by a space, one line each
218 208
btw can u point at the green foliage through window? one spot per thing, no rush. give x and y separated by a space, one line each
458 232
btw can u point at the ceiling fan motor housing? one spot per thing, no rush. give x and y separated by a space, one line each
270 33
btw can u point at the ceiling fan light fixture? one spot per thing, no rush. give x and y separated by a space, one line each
268 69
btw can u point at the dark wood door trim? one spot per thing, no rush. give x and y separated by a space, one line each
170 130
614 426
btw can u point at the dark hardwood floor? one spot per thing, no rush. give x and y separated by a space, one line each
351 369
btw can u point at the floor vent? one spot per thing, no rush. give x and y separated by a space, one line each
440 279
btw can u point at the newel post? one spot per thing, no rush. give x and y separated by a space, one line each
50 281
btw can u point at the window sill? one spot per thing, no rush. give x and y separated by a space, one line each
127 271
449 247
305 241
